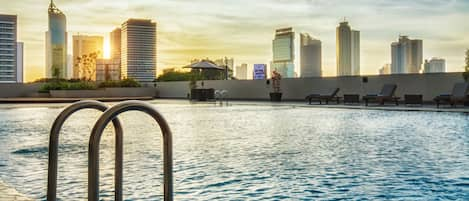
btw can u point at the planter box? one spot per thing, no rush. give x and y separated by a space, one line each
275 97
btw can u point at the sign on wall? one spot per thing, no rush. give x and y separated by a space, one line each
259 72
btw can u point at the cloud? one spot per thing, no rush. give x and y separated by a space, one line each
244 29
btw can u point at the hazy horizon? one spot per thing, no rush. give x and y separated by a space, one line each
244 29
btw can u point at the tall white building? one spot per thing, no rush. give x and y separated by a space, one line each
19 62
138 50
347 50
435 65
8 49
283 50
310 56
242 72
407 56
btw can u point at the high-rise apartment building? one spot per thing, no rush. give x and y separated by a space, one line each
242 72
8 48
138 50
435 65
115 38
407 56
19 62
347 50
83 47
310 56
56 43
283 50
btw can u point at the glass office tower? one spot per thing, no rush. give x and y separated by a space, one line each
56 44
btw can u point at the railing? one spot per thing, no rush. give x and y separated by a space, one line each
93 154
54 144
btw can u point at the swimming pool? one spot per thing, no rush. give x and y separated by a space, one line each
245 152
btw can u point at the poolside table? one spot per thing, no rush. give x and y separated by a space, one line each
351 98
413 99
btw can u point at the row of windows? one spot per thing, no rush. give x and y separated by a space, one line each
4 25
6 36
6 52
6 57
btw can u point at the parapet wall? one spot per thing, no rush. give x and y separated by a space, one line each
429 85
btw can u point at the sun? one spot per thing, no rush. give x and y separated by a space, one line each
107 48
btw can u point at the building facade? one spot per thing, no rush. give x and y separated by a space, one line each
310 56
283 49
347 50
56 44
407 55
385 70
83 47
435 65
107 69
19 62
242 72
115 39
138 50
8 49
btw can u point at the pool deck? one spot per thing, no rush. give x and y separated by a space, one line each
390 107
10 194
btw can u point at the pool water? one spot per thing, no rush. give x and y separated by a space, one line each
246 152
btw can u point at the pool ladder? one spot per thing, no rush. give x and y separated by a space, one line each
110 114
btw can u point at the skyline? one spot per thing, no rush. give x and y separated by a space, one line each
229 28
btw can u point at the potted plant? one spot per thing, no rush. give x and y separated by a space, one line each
276 94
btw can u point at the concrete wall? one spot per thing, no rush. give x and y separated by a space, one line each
18 90
107 92
429 85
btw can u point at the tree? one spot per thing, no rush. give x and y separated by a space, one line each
87 65
56 73
466 68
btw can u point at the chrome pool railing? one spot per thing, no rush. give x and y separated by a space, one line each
93 153
54 144
110 115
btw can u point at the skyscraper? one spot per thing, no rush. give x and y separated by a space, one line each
56 43
8 48
284 52
83 46
407 55
138 46
310 56
435 65
347 50
242 72
115 36
19 62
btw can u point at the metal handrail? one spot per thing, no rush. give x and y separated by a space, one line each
54 142
111 114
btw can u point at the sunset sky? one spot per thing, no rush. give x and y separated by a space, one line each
244 29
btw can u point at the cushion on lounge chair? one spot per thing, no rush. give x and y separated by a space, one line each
388 90
460 90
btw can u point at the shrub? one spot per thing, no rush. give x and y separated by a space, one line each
65 85
125 83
